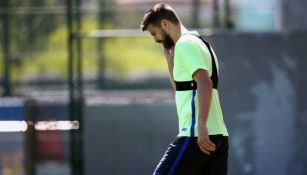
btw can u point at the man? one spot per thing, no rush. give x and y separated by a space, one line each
202 143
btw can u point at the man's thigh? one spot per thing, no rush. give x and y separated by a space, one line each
218 165
183 157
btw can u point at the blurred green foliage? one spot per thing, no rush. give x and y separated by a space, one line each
124 57
38 44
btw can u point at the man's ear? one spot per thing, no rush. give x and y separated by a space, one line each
164 23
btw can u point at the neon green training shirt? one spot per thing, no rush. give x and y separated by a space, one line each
192 54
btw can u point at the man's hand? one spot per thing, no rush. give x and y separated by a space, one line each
203 141
169 54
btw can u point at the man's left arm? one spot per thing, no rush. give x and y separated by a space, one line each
204 90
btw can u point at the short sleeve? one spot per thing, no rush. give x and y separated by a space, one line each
191 57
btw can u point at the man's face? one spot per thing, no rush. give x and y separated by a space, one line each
160 36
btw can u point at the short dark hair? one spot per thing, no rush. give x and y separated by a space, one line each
157 13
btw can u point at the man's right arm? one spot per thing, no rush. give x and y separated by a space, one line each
169 54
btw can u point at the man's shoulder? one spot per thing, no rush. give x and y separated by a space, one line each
190 38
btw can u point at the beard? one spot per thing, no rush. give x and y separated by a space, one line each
168 42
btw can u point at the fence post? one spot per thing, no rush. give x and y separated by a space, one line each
73 15
6 49
31 109
195 16
216 14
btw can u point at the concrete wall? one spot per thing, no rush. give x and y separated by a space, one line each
262 88
127 139
294 15
262 91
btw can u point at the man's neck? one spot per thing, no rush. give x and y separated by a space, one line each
178 31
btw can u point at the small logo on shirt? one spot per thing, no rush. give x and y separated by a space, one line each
184 129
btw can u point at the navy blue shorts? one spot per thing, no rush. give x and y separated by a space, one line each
184 157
